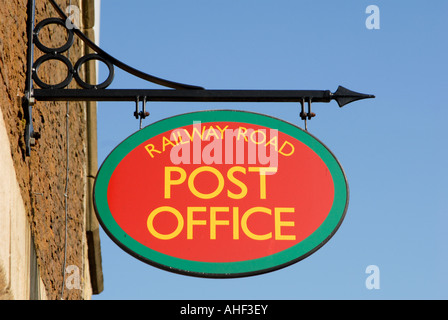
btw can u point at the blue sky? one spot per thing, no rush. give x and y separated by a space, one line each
393 148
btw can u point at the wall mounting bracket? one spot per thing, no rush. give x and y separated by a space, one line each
98 92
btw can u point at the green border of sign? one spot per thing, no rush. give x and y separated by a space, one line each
227 269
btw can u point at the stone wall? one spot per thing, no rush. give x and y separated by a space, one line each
44 185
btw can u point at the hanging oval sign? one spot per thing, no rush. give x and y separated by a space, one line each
221 194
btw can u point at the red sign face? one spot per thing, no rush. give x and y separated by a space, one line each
221 194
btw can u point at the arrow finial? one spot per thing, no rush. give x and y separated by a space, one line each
344 96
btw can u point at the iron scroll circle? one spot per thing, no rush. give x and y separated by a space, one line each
85 85
45 58
46 49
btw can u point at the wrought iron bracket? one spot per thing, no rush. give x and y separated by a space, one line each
99 92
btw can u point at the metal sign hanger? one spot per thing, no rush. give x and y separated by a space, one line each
98 92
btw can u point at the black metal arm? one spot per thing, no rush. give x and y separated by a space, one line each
99 92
